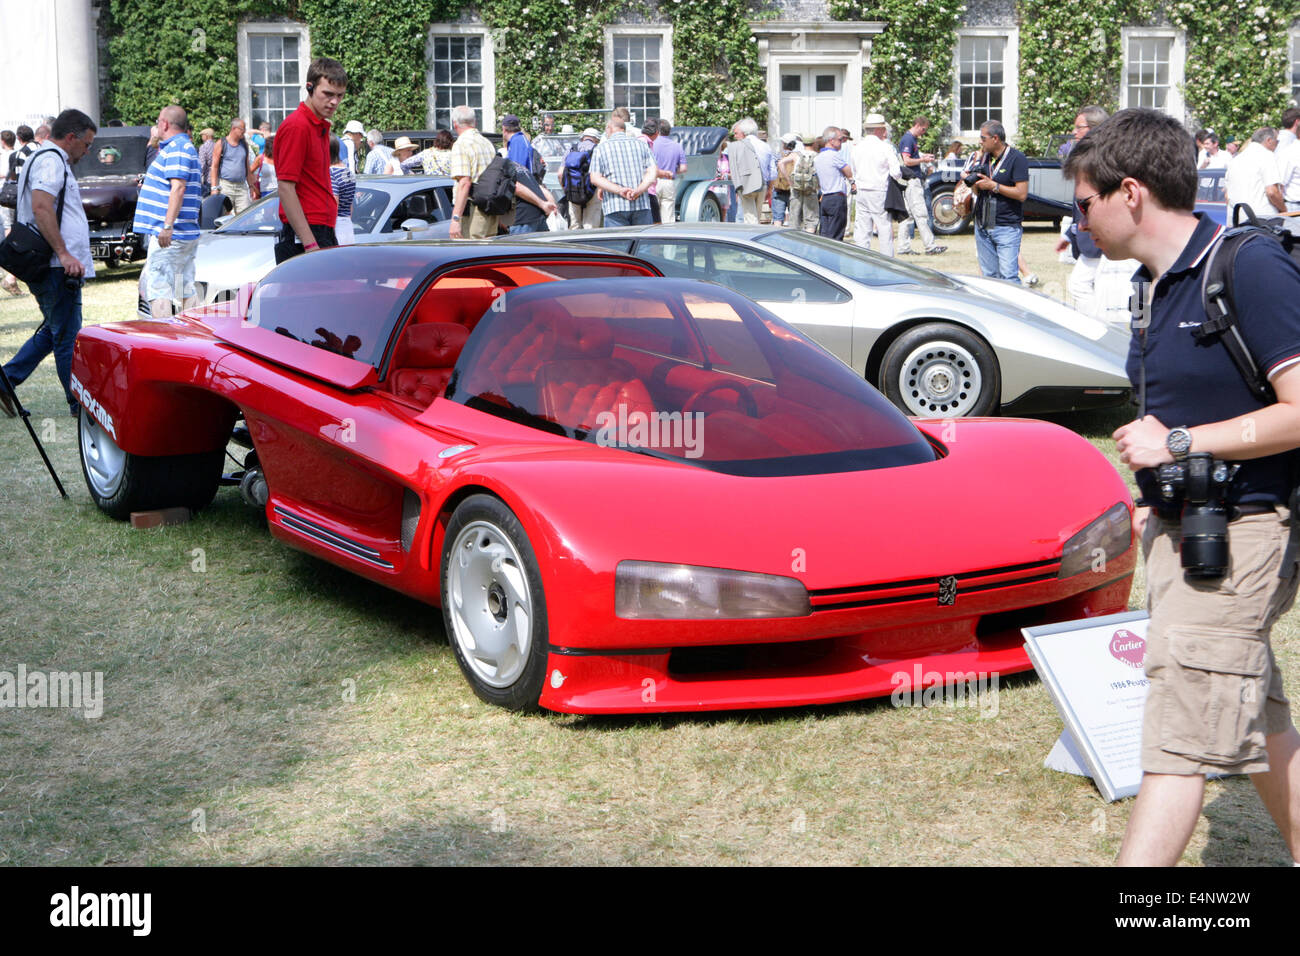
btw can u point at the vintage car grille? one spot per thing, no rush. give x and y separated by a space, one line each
927 589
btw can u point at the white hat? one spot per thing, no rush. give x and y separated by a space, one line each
354 127
873 120
589 132
403 142
791 138
567 129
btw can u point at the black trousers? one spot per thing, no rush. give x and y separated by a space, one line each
833 215
288 245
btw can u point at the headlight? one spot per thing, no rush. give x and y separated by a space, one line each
648 590
1107 537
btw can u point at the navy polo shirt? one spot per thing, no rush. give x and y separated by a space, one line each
1194 384
909 147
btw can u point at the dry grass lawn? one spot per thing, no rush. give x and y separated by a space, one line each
230 736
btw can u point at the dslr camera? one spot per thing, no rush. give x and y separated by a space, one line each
974 173
1200 482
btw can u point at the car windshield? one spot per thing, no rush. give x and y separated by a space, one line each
113 156
340 300
1209 185
682 370
261 217
860 265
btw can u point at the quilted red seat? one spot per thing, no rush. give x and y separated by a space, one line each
424 360
573 392
464 306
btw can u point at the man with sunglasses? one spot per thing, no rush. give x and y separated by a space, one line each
308 209
1215 702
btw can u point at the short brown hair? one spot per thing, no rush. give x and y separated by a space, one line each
1145 145
324 68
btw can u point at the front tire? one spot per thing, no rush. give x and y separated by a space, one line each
121 483
493 604
941 370
944 218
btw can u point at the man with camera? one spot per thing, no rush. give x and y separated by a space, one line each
1001 185
49 198
1216 466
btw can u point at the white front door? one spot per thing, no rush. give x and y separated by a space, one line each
812 98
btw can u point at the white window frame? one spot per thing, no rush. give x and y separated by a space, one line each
1010 79
1177 66
665 37
1294 58
489 78
269 28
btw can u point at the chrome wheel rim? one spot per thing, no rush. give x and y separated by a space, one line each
940 379
490 604
104 462
944 212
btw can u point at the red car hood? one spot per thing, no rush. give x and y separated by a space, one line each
1007 492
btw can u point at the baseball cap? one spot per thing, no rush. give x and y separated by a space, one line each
511 122
354 127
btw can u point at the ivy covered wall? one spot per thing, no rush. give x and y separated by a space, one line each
549 55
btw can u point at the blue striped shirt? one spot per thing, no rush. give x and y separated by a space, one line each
176 159
345 189
623 159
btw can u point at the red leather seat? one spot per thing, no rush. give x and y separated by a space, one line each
424 360
462 305
573 392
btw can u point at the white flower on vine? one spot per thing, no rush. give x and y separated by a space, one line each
1260 37
1261 12
729 97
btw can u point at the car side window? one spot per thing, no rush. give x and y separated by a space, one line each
676 258
421 205
752 273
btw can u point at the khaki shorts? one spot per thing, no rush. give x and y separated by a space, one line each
476 224
1216 691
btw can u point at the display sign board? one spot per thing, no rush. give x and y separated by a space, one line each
1093 670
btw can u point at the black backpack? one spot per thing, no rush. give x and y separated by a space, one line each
575 180
1217 292
493 193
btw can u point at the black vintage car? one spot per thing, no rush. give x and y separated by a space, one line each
1051 196
110 175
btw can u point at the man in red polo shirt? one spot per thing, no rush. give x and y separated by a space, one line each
308 208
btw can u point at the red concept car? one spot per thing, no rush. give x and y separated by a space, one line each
627 493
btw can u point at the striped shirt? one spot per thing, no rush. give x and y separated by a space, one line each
345 189
176 159
623 159
470 155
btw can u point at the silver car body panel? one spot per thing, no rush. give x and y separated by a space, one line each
1038 341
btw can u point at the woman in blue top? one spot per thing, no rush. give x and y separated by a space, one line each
344 182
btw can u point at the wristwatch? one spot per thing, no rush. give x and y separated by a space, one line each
1179 443
455 218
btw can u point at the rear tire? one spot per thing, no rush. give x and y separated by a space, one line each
121 483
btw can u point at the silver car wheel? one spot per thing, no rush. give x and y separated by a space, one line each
105 462
940 378
491 607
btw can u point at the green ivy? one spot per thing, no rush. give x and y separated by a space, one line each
1069 60
911 61
177 51
549 54
1238 61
